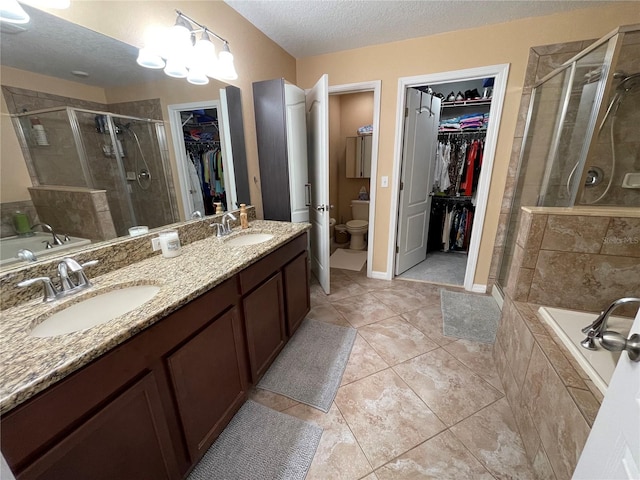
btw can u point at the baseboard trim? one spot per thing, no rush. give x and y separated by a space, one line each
380 275
479 288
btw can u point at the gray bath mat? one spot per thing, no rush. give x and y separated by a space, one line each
469 316
260 443
309 369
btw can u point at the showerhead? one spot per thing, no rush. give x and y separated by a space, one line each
628 82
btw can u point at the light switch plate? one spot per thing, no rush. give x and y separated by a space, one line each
384 181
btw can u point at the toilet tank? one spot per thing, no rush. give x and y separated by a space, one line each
360 209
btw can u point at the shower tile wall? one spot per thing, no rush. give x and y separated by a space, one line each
626 136
576 262
79 212
542 61
58 132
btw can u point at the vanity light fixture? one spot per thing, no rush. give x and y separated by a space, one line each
183 55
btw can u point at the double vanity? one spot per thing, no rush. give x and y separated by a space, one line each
144 394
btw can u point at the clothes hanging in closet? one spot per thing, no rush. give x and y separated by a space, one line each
457 164
207 161
450 224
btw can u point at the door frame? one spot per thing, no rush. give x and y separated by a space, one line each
500 73
179 147
374 86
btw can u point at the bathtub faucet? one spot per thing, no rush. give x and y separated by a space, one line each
599 326
47 228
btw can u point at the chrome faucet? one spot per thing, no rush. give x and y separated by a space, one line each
67 285
226 218
599 325
47 228
223 227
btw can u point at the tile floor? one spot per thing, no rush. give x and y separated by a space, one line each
413 404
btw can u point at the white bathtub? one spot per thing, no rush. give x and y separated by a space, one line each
598 364
9 247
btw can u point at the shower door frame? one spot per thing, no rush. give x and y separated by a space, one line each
614 40
80 148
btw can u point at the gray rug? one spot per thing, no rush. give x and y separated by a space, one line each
260 443
309 369
470 316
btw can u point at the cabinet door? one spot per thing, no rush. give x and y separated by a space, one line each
296 291
265 323
127 439
209 379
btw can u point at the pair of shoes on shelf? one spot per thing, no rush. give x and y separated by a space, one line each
471 94
451 97
459 97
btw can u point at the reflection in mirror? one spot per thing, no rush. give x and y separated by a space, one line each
98 163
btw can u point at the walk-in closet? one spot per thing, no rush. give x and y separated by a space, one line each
453 152
205 159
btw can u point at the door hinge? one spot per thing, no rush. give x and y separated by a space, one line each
401 185
397 249
406 111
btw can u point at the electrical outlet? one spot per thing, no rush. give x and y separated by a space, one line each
384 181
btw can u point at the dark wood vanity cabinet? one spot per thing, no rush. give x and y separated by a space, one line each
147 409
296 287
265 322
127 438
152 406
209 377
275 294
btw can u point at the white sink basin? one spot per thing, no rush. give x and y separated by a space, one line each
95 310
249 239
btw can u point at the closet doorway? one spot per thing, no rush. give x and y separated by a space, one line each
352 166
445 146
203 156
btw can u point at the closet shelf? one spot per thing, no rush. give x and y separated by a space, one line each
458 132
467 103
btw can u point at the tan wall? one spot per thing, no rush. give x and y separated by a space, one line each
256 56
494 44
14 177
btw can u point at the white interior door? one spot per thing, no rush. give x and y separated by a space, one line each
612 450
295 108
317 108
420 139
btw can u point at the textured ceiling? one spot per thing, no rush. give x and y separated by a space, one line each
52 46
313 27
55 47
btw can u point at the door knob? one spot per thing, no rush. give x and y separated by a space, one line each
322 208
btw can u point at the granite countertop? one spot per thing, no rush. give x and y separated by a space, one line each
29 364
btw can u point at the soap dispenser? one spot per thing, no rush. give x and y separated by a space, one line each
244 219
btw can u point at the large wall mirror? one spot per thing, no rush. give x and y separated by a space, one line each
106 144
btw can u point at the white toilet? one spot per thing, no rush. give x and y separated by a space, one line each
358 227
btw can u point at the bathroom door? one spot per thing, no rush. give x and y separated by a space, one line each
317 107
613 447
420 139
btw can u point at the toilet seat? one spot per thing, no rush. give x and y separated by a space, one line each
357 224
